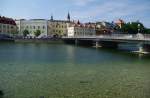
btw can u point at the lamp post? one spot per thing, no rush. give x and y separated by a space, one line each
140 36
139 28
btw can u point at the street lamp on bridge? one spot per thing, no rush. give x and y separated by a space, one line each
139 35
139 28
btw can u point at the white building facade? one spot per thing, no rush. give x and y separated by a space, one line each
80 30
32 26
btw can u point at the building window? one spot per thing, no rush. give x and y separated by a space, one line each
4 26
43 27
38 27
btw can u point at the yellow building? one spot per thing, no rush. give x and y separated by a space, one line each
58 27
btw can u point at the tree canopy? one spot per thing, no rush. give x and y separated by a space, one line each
37 33
134 28
25 33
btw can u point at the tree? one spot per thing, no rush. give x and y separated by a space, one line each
147 31
133 27
15 33
37 33
25 33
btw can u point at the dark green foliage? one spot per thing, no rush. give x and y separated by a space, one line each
15 33
147 31
133 27
25 33
37 33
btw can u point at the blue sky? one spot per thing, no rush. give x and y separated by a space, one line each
84 10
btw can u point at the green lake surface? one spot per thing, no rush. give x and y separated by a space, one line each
67 71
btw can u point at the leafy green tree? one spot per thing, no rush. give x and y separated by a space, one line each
133 27
15 33
37 33
147 31
25 33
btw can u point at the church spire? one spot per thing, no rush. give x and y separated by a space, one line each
78 22
52 17
68 17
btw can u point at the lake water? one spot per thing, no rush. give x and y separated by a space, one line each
66 71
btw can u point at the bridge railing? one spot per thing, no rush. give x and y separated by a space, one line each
116 36
127 36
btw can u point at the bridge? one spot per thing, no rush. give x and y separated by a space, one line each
140 41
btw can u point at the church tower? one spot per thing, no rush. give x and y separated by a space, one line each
68 17
52 18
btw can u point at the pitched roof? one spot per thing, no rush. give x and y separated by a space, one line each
5 20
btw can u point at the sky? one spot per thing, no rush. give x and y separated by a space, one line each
83 10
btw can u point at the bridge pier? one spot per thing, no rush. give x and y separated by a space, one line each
96 44
141 48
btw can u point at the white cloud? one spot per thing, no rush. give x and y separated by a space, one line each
82 2
98 10
111 10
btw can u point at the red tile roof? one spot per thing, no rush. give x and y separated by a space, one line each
5 20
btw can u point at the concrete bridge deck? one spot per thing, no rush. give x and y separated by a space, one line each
142 41
138 37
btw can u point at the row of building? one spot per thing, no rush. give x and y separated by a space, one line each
47 27
55 27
